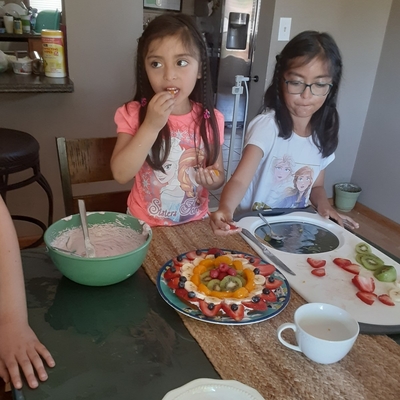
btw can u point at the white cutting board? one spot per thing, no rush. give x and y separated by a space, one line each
335 287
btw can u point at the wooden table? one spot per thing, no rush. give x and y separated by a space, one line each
250 354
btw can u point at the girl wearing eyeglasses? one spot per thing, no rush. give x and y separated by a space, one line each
300 121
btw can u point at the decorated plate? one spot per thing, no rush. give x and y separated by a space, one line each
204 389
223 287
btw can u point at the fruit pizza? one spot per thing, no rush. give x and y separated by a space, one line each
226 286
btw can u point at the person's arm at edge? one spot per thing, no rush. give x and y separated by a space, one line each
320 201
19 345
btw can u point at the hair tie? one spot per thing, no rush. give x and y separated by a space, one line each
206 114
143 101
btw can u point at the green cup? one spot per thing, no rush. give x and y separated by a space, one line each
346 195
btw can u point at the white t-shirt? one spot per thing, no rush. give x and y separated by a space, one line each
288 168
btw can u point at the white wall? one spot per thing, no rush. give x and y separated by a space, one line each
377 165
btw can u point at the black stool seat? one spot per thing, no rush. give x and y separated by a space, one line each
19 151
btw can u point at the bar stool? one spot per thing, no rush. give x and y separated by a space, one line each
19 151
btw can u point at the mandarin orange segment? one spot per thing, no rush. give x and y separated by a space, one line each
207 262
200 269
220 295
240 293
250 285
249 274
222 259
204 289
237 264
196 279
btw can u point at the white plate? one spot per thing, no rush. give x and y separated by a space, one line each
213 389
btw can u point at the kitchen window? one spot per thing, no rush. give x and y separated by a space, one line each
46 4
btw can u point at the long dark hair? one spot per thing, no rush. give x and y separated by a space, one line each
325 122
184 27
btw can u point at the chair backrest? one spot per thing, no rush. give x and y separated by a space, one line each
87 160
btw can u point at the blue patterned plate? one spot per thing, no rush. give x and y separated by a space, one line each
250 316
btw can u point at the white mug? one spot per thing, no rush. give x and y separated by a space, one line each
324 333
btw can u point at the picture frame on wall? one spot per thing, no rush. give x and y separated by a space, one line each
167 5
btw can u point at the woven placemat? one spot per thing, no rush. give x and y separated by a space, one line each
252 353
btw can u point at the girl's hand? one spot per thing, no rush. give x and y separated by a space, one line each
159 109
211 177
21 349
329 212
222 223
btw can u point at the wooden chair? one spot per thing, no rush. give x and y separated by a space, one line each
87 160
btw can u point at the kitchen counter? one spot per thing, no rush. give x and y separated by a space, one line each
14 83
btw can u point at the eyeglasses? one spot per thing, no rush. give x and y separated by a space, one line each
317 89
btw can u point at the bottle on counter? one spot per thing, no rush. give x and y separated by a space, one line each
53 53
17 25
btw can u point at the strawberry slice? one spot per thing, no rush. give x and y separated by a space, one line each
353 268
364 284
191 255
316 263
209 309
258 305
273 283
266 269
173 283
214 250
342 262
386 299
235 311
268 296
171 273
366 297
318 272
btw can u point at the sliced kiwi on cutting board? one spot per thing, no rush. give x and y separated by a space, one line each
386 273
363 248
370 261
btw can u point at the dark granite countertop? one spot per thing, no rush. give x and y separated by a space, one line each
14 83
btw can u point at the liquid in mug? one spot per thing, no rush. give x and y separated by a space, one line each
326 329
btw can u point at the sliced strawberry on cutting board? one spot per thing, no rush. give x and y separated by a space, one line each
259 305
266 269
235 311
366 297
364 284
342 262
352 268
209 309
386 299
318 272
315 263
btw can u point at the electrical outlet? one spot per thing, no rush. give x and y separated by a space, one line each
284 29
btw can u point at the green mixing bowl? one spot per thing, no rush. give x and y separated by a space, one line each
99 271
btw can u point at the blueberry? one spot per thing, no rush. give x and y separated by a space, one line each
181 285
234 307
182 279
256 271
271 279
179 258
266 291
251 260
173 269
255 299
211 306
198 252
218 254
191 294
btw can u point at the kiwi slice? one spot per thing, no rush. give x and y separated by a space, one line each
371 261
214 284
231 283
363 248
358 258
386 273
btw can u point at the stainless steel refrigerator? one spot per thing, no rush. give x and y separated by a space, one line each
230 28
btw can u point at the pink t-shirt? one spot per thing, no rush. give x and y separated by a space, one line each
172 197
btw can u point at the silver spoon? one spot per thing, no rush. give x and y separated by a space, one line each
90 252
271 232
